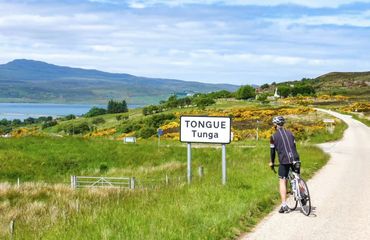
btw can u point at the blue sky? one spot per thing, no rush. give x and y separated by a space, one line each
217 41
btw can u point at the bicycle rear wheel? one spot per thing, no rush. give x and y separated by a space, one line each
291 201
305 199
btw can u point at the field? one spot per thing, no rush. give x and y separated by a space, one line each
204 209
44 205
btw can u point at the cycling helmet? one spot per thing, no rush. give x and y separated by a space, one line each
278 120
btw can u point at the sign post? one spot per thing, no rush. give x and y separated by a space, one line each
160 133
189 163
205 129
329 125
223 164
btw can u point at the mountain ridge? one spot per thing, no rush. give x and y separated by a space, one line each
36 81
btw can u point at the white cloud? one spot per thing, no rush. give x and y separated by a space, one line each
308 3
104 48
209 47
355 20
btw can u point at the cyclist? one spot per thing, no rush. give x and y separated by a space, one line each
282 142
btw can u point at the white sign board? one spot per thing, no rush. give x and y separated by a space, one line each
329 121
129 140
199 129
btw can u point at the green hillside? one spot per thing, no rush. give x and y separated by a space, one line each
352 84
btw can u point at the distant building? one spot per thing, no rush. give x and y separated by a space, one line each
276 95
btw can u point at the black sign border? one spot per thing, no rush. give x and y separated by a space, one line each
209 117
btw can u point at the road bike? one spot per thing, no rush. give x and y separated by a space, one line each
297 191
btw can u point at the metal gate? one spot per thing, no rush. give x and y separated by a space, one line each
102 182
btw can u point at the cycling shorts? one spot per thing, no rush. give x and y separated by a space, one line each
284 170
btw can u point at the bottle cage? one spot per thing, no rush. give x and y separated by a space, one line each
296 166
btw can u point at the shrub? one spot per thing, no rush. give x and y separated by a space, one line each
157 120
98 120
70 117
245 92
103 168
129 127
201 101
122 117
147 132
48 124
75 128
95 111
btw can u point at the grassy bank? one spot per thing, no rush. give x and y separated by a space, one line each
203 210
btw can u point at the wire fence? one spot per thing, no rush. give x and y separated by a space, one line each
80 182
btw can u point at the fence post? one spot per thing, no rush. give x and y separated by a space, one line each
18 182
12 228
132 183
201 171
73 182
167 180
77 205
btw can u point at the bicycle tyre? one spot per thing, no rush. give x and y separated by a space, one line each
305 202
291 202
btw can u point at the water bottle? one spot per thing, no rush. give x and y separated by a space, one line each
293 186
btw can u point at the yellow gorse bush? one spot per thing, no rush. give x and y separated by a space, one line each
23 132
102 133
357 107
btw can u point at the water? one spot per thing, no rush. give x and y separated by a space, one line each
22 111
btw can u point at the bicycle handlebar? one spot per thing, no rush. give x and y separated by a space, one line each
273 167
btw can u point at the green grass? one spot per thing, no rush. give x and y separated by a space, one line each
364 120
203 210
323 136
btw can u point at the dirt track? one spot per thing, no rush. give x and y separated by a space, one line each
340 194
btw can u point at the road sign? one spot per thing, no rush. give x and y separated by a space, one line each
129 139
329 121
160 132
201 129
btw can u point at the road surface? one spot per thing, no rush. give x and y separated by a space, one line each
340 194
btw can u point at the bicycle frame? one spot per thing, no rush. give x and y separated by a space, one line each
294 177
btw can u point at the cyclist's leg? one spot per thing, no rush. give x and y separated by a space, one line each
283 175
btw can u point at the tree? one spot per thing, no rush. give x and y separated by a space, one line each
117 107
284 91
203 100
265 86
95 111
303 90
70 117
221 94
245 92
29 120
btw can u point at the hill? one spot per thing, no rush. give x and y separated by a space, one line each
35 81
344 83
355 85
347 83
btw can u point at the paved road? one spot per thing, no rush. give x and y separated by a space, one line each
340 194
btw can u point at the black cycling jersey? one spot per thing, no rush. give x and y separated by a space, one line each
283 142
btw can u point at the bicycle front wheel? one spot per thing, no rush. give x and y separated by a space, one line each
291 201
305 199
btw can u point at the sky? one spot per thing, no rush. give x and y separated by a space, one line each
215 41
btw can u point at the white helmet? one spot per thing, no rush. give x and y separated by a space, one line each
278 120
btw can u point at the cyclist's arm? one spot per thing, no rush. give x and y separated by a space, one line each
272 150
295 147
